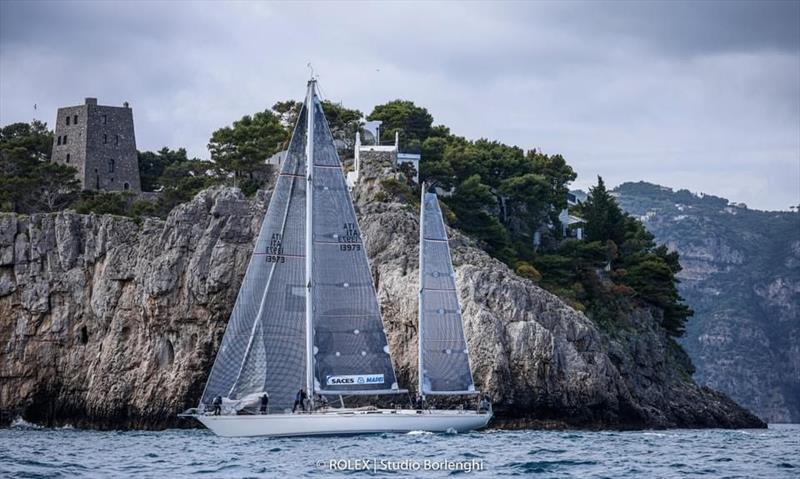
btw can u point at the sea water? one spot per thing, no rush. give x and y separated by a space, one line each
27 451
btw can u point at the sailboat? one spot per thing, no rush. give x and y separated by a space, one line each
307 316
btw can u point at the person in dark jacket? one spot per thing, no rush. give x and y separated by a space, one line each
300 400
264 403
217 402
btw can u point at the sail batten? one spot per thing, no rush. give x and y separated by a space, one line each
444 366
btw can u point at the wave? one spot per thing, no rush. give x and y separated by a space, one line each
20 423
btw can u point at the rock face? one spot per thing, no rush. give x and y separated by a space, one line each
108 323
742 277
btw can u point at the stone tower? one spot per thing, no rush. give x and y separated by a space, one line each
99 141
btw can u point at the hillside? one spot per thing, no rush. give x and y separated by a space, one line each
741 275
110 323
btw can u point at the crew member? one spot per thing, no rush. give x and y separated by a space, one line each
217 402
300 400
264 403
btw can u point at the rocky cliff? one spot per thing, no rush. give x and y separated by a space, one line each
108 323
741 275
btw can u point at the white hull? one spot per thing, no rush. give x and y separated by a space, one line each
344 422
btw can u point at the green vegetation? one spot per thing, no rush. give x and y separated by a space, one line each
414 123
617 267
241 150
501 196
29 183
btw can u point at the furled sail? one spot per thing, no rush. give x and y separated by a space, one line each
444 358
351 355
264 344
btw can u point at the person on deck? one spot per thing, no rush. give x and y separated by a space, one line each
323 401
485 403
300 400
217 402
264 403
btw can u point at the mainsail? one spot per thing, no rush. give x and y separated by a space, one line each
351 352
443 356
264 344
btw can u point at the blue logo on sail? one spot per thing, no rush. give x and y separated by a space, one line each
352 379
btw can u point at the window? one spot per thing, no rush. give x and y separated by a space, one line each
59 140
75 120
65 139
116 139
111 165
105 119
126 186
105 138
67 157
67 120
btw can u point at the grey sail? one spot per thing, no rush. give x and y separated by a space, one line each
263 349
444 358
351 354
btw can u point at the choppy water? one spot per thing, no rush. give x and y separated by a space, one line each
772 453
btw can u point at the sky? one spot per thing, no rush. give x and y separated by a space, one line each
697 95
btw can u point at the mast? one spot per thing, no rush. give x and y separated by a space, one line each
310 110
419 308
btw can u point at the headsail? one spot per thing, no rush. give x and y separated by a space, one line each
264 344
351 351
444 359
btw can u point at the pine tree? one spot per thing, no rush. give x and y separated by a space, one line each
604 219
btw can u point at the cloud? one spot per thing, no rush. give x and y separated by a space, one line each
698 95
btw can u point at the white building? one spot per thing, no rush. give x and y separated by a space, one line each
571 226
378 152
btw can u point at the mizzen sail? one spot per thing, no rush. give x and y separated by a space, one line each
444 358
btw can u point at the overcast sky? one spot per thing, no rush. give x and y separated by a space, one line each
697 95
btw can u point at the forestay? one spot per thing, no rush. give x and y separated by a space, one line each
444 358
263 348
351 352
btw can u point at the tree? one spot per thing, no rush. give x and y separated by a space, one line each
413 122
241 150
557 173
57 187
30 183
343 122
287 111
152 166
604 219
473 204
